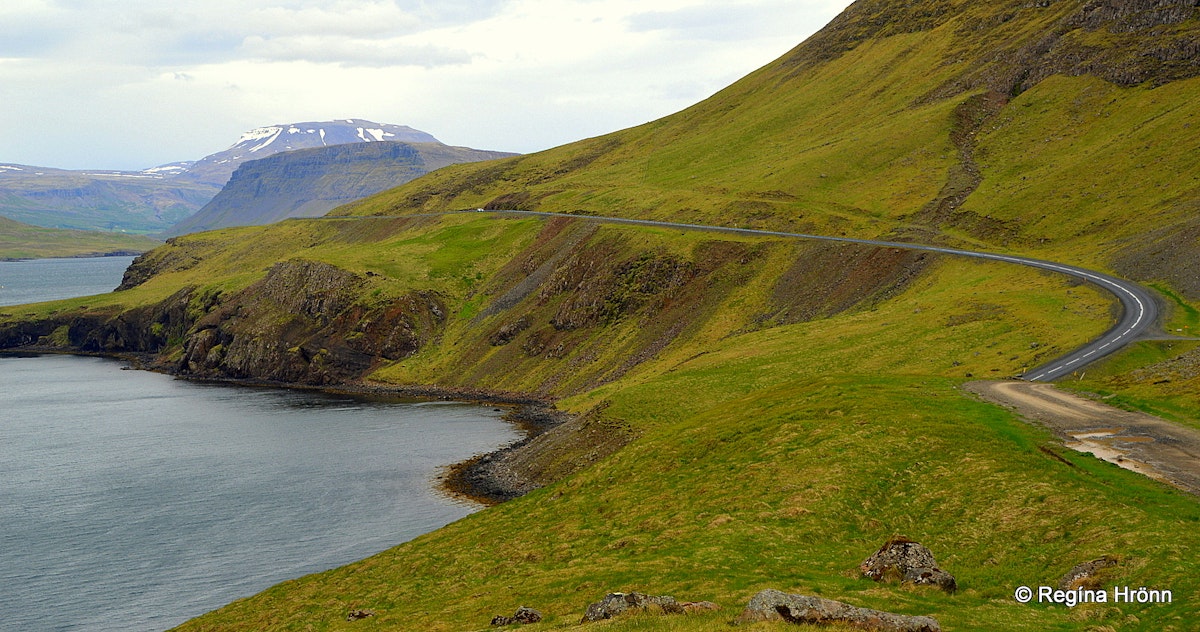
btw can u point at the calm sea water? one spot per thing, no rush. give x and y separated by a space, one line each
52 279
131 501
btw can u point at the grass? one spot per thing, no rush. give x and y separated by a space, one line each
1073 169
767 455
788 487
23 241
1183 318
774 451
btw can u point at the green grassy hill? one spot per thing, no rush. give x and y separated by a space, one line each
752 412
22 241
1063 129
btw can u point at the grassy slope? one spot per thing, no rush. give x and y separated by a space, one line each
779 455
793 160
774 457
1072 167
22 241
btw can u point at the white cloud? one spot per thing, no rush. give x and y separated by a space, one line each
84 85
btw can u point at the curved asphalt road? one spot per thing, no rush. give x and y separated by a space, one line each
1139 311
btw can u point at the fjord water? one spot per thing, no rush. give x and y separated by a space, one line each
132 501
39 280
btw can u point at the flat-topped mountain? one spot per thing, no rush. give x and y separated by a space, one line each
310 182
255 144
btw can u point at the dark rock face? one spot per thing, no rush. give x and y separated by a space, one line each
907 561
774 605
615 604
304 323
300 324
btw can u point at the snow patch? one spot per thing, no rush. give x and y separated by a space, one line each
167 170
377 134
119 174
294 130
259 134
10 168
268 141
322 136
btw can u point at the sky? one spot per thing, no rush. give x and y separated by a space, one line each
131 84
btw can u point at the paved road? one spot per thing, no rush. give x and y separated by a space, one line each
1139 311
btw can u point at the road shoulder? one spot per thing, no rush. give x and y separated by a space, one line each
1139 442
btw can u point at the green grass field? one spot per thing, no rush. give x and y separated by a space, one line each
22 241
767 455
792 405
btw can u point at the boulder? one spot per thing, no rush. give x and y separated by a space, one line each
523 616
527 615
1087 574
355 615
774 605
907 561
614 604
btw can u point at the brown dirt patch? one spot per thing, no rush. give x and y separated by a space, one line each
1143 443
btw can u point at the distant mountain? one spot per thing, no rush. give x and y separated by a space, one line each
217 168
131 201
153 200
310 182
22 241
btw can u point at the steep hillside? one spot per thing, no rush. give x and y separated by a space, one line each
22 241
310 182
1057 128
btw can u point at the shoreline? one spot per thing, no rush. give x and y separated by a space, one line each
87 255
478 479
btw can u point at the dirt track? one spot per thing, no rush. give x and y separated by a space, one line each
1136 441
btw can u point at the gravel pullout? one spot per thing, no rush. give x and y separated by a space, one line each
1142 443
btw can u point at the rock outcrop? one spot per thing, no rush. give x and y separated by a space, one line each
303 323
774 605
523 616
357 615
1087 575
615 604
904 560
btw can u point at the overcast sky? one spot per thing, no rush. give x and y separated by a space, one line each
129 84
